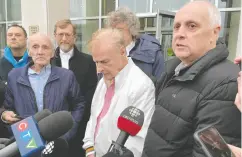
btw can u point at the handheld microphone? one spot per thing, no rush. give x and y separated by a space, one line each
50 128
56 148
38 116
130 123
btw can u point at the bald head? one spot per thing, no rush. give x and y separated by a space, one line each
110 36
208 9
196 30
43 36
108 51
41 49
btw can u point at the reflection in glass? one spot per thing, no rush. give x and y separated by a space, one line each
137 6
85 29
107 6
14 10
229 3
84 8
229 31
170 5
2 37
2 10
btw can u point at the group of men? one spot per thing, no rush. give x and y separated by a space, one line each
195 89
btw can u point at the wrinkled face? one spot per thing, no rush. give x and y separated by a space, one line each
16 38
41 50
193 34
65 38
126 33
108 57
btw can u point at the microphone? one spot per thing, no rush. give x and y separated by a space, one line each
56 148
130 123
127 153
50 128
38 116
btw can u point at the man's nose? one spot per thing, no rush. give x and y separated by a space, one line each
180 33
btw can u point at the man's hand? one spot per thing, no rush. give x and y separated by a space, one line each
235 150
238 98
9 117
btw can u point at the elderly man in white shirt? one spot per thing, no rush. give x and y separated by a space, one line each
123 84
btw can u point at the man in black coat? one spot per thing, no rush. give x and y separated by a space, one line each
68 56
197 89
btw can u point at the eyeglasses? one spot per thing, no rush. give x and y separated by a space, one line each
61 35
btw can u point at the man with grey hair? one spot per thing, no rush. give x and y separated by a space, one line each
197 89
39 86
123 85
145 50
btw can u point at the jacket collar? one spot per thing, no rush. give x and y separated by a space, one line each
24 79
57 52
212 57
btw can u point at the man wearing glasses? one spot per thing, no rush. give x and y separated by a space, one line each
68 56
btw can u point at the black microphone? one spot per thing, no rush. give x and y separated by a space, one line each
50 128
56 148
130 123
126 153
38 116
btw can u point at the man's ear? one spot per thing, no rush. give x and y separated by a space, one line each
29 53
123 51
216 31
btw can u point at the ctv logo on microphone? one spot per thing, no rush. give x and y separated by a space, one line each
26 134
28 137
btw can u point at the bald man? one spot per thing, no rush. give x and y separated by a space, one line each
123 85
39 86
197 89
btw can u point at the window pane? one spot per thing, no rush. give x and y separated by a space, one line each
84 8
2 10
85 29
2 37
169 5
137 6
229 3
230 30
14 10
107 6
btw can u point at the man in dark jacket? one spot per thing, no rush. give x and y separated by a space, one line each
15 53
197 89
39 86
83 67
145 50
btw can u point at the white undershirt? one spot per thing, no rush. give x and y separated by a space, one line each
130 47
65 57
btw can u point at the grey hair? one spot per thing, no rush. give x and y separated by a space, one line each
126 16
214 15
51 40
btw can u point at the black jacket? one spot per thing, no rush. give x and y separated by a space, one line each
85 71
200 95
5 68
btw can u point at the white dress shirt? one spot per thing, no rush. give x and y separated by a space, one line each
130 47
132 88
65 57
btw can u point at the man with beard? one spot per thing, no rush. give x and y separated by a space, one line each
68 56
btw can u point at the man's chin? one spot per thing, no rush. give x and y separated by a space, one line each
65 48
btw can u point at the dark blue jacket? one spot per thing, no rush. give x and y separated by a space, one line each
147 55
61 92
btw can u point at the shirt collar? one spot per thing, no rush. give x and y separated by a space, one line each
43 70
70 53
130 47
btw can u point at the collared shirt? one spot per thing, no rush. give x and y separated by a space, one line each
179 68
38 82
132 88
130 47
65 57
